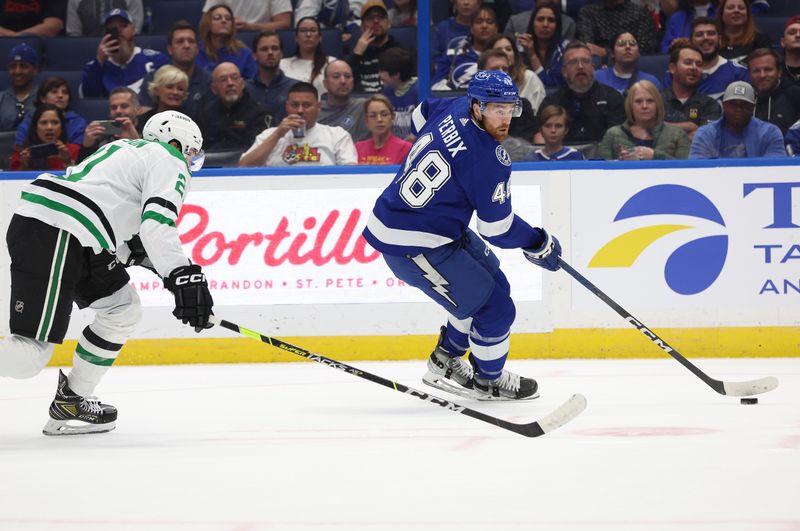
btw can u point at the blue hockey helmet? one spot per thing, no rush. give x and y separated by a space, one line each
494 86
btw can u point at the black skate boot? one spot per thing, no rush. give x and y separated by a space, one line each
72 414
508 386
448 373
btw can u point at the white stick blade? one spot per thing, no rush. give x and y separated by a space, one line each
565 413
752 387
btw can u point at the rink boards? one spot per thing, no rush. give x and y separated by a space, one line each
706 253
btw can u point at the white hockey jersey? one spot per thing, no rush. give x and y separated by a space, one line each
127 187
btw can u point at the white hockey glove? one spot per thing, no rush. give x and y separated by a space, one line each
546 255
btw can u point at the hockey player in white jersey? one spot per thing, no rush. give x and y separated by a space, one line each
67 241
457 167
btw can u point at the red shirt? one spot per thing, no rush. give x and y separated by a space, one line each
392 152
54 162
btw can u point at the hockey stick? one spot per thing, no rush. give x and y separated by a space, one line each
750 387
565 413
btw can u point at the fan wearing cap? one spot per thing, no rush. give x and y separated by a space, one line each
738 134
17 100
85 17
790 42
69 240
44 18
373 41
118 61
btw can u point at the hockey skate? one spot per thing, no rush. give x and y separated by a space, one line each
508 386
72 414
448 373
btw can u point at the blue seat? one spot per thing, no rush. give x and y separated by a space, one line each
6 43
72 77
70 53
655 64
439 11
166 13
91 108
783 8
772 26
6 148
406 36
154 42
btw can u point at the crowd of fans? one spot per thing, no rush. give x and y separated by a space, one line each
730 90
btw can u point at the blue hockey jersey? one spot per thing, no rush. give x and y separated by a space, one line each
454 168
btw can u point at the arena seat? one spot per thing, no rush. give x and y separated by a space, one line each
91 108
154 42
165 14
655 64
6 43
222 159
406 36
70 53
783 9
772 26
6 147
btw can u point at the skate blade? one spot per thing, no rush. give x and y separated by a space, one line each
435 380
489 398
63 427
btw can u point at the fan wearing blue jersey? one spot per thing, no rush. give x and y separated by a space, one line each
457 167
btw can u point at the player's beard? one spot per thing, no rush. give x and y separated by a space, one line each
499 133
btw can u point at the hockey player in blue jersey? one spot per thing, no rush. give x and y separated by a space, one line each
420 224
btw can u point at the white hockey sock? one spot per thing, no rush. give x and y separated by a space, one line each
23 357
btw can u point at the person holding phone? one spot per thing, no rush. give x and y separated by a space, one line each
118 62
123 110
46 147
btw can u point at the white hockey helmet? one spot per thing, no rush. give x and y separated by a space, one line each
172 125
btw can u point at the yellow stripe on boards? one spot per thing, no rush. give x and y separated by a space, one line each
744 342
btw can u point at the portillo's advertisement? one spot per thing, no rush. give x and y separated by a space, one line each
302 247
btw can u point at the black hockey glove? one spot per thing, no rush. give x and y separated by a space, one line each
546 255
138 254
193 302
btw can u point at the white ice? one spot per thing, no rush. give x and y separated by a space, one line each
302 446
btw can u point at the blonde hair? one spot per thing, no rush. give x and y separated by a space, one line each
379 98
167 75
651 89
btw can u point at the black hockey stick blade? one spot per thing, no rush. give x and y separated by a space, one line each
748 388
563 414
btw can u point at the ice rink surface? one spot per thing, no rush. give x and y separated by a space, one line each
301 446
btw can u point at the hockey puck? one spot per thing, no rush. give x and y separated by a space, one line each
749 401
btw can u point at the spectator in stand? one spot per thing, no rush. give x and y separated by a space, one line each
168 91
299 139
777 101
793 140
737 30
233 119
41 18
523 22
341 14
600 22
337 107
123 108
218 43
85 17
684 106
593 108
718 72
400 87
383 147
18 99
644 136
55 90
310 60
258 15
544 43
529 85
455 69
374 40
737 134
623 71
183 49
403 13
271 85
679 24
790 42
119 62
452 32
554 128
48 126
